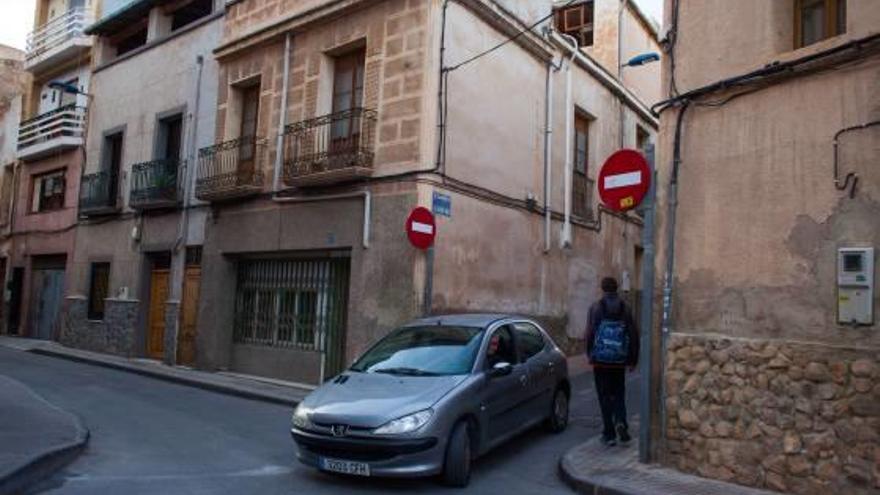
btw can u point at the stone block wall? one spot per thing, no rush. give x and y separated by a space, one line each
789 416
172 327
115 334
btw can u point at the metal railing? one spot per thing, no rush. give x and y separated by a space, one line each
155 183
332 142
58 31
67 121
98 192
582 196
229 169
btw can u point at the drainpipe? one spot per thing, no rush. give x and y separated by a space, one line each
569 130
368 206
282 116
620 68
548 152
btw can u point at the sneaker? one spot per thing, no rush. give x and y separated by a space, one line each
623 433
609 441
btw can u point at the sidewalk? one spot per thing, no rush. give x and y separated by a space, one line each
591 468
41 439
256 388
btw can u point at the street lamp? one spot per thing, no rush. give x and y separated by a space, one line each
644 58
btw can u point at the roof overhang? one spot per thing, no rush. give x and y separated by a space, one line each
123 17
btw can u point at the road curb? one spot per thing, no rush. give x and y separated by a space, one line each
173 378
583 484
43 465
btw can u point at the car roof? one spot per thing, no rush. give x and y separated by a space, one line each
481 320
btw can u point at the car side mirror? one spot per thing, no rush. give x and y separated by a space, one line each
501 369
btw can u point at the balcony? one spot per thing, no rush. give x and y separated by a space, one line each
59 40
51 132
155 184
98 194
330 149
230 170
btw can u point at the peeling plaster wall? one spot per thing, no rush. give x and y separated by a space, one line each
759 224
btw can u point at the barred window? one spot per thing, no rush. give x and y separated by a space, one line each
290 303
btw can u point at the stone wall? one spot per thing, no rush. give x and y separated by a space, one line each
115 334
794 417
172 320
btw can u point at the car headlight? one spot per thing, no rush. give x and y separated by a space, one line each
405 424
301 418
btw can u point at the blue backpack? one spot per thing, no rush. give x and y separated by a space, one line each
611 340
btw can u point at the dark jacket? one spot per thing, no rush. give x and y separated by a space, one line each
613 304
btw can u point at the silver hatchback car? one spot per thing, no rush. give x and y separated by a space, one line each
433 395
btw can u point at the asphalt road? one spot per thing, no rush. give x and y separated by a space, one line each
150 436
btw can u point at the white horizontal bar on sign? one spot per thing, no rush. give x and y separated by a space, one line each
422 228
623 180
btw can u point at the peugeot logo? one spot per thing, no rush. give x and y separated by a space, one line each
339 430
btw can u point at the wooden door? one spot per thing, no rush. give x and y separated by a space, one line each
159 279
186 337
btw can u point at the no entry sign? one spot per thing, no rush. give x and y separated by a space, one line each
624 180
420 228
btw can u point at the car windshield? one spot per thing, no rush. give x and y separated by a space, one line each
433 350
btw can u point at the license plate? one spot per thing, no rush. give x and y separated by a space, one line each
345 467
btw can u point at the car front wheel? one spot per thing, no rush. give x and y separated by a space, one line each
457 464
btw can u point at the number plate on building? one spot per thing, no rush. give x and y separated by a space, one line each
345 467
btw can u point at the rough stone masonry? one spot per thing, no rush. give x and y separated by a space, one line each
793 417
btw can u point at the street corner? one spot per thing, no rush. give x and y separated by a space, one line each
37 438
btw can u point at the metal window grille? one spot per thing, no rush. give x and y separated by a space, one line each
297 304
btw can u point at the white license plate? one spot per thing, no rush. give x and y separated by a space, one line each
345 467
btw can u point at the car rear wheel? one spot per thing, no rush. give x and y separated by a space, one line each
558 419
457 464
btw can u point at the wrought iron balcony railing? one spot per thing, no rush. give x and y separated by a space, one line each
60 128
58 32
331 148
231 169
155 184
98 193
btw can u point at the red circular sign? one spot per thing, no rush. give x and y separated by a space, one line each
624 180
420 228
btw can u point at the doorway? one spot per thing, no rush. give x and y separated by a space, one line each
192 277
47 294
160 274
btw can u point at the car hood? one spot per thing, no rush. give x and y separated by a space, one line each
369 400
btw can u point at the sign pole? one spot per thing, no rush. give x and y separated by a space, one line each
429 281
646 316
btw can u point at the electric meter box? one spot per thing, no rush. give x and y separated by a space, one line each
855 286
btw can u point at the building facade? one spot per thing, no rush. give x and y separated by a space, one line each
770 215
51 136
329 131
14 82
135 271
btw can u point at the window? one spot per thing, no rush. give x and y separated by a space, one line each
48 193
290 303
170 137
500 348
99 289
529 340
348 94
643 139
190 13
582 186
69 98
250 114
816 20
131 41
435 350
577 21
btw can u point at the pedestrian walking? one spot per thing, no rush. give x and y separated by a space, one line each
612 339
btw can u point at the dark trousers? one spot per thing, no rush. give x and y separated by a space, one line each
611 390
